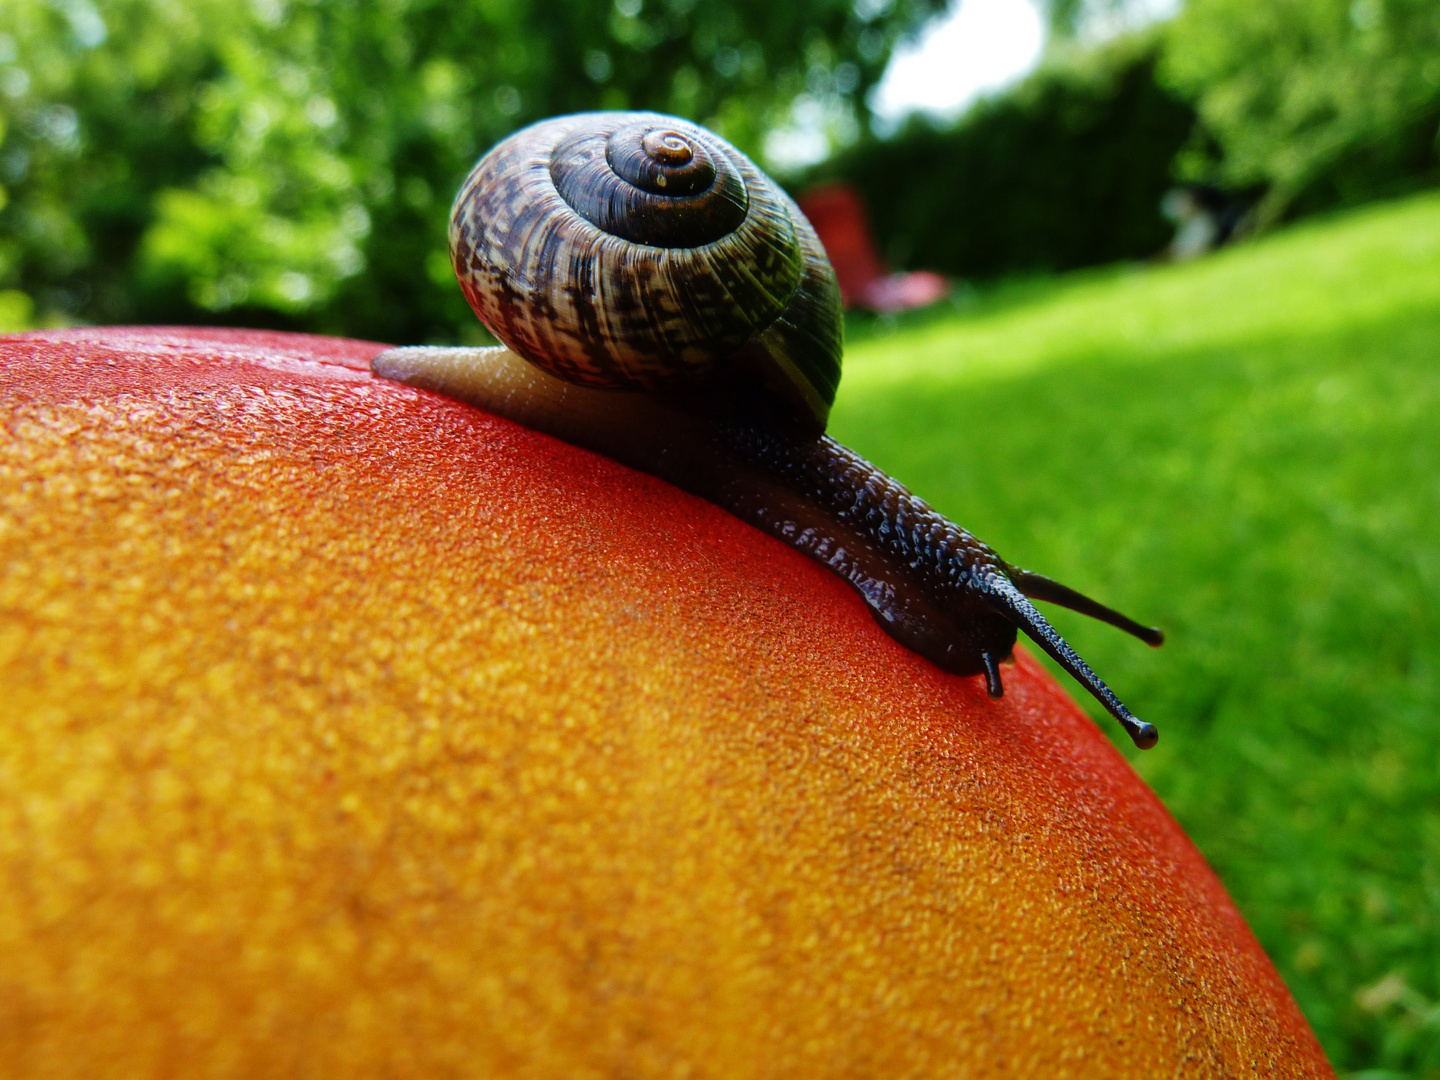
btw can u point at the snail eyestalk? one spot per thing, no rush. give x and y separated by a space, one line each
1039 587
1004 596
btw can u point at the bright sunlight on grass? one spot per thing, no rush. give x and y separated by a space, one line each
1245 451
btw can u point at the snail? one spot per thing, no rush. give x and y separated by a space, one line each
664 303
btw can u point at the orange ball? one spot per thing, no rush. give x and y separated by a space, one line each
350 731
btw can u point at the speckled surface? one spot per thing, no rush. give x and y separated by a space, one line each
347 731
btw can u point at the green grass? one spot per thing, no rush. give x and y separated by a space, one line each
1246 451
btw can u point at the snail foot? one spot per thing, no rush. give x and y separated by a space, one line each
449 371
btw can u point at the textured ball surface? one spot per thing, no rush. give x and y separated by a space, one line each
349 731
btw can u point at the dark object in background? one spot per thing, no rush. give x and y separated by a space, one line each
838 215
1065 171
1205 218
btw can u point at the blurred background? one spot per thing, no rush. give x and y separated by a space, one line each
1147 294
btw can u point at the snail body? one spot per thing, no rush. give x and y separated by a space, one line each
665 304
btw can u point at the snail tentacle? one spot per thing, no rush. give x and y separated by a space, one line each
1010 600
1039 587
993 686
929 583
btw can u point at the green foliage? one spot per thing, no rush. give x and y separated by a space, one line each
1242 450
1068 19
76 194
1067 170
291 162
1326 101
1314 103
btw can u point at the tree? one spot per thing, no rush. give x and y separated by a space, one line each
1066 169
291 162
1324 101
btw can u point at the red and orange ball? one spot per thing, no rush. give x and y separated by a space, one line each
350 731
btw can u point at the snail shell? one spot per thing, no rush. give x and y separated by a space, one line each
635 251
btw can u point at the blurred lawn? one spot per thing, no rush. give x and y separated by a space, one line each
1246 451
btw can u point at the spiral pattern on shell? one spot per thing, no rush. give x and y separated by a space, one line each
636 251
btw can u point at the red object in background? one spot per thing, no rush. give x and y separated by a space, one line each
840 221
844 228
